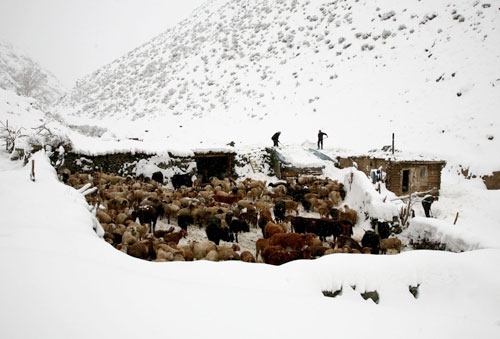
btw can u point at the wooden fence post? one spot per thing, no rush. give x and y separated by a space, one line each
32 174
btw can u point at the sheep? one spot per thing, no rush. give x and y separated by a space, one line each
343 240
130 235
318 251
179 180
184 221
283 256
335 198
261 205
323 210
141 250
254 193
391 244
291 206
349 215
170 210
103 217
158 177
215 232
260 245
383 229
243 203
371 240
121 218
226 253
246 256
187 252
292 241
279 210
201 249
268 251
236 226
175 236
162 233
333 251
271 229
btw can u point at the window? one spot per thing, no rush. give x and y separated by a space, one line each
422 172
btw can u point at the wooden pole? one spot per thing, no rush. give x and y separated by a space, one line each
456 218
393 143
32 174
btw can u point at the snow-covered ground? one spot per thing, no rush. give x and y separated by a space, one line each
60 280
238 74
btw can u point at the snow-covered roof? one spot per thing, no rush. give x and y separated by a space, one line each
384 153
298 156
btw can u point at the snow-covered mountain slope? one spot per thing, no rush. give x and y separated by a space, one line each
426 70
14 63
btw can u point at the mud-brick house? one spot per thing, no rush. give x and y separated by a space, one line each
404 173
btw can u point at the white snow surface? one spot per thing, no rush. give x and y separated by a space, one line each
64 281
234 73
237 70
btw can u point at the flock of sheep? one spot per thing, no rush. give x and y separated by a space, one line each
129 211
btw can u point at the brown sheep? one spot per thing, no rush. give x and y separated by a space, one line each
175 236
292 206
323 210
268 251
246 256
141 250
271 229
260 245
103 217
187 252
318 251
130 236
283 256
333 251
391 244
343 240
349 215
291 241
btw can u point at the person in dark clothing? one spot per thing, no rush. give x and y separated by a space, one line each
426 203
320 139
275 138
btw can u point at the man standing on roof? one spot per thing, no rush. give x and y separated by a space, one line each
275 138
320 139
426 204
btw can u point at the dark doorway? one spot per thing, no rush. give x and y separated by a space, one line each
219 166
406 181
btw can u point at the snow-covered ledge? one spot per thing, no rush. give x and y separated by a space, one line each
445 233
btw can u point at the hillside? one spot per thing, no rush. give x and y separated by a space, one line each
360 70
14 62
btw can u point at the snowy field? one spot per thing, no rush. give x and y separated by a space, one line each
425 70
64 281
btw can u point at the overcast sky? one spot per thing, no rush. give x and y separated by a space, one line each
73 38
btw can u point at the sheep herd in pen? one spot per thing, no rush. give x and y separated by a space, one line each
129 210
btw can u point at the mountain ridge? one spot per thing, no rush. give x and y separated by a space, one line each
377 66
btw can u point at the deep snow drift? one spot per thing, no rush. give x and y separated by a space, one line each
64 281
